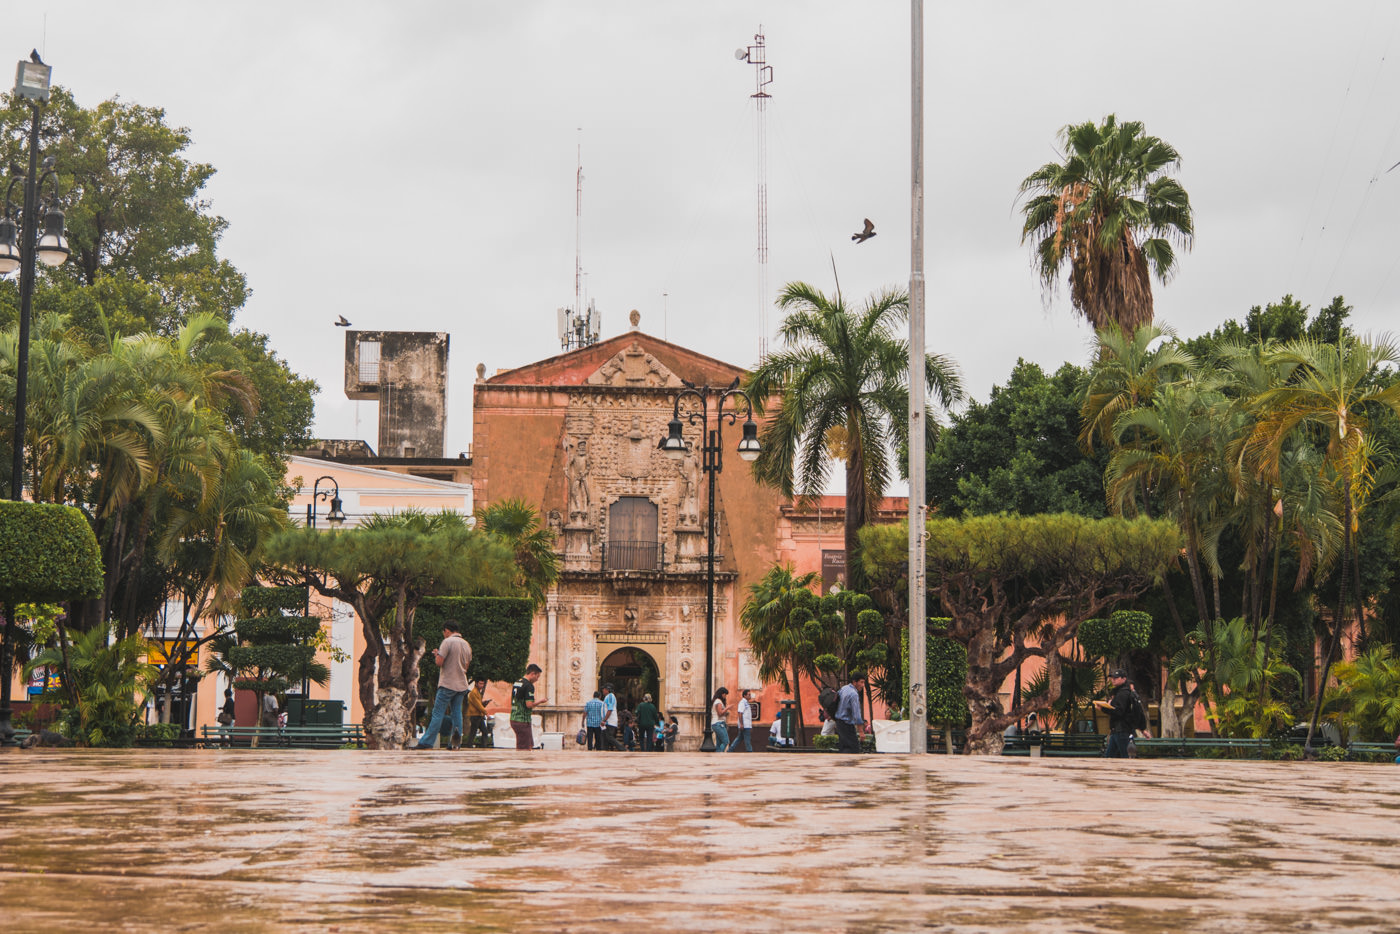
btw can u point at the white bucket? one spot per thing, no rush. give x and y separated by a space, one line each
553 742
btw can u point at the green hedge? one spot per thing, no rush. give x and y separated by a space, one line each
497 628
946 664
47 554
1124 631
279 658
269 630
267 601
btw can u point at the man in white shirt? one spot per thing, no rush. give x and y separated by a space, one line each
745 723
610 720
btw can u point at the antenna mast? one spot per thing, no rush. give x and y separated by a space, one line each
757 55
579 327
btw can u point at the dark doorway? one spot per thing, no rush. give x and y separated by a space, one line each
632 673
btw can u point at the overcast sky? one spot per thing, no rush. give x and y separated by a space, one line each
412 165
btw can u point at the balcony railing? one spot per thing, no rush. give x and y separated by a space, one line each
634 556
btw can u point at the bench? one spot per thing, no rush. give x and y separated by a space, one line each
320 736
1189 747
1372 752
1055 744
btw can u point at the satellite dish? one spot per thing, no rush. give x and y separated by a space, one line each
741 55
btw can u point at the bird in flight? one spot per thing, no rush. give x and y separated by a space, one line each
34 57
865 234
342 323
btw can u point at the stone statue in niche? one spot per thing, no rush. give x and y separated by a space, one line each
577 474
689 510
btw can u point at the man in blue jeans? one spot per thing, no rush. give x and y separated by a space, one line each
453 657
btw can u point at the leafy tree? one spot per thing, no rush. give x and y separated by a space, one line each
1239 677
104 685
945 673
842 380
1018 587
1331 392
1366 701
1110 210
498 629
276 644
772 618
517 523
384 569
1017 452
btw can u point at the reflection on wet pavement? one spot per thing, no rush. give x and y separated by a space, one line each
498 841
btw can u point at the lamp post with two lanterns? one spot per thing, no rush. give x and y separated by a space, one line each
335 517
713 464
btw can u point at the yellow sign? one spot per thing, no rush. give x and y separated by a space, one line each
162 652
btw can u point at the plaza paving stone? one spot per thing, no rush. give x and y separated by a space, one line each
493 840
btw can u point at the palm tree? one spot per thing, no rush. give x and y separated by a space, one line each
518 524
1128 368
843 381
1110 210
773 618
1330 389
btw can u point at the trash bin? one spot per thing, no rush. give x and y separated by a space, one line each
318 712
789 717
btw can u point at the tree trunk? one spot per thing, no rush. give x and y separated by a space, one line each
797 696
389 724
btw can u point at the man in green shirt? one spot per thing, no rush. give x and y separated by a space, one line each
647 719
522 701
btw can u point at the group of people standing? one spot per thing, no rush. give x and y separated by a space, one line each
743 727
454 657
606 727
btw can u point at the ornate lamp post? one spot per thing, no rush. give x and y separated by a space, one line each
713 463
335 517
20 243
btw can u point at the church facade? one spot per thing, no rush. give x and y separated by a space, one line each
577 436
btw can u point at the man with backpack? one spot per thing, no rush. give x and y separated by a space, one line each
1125 715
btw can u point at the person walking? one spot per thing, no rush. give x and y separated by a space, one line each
850 725
1119 708
476 713
744 725
647 719
719 709
453 657
522 701
593 711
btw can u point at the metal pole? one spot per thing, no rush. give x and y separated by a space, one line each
26 294
712 467
918 667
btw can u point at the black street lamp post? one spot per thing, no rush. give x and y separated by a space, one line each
335 517
713 463
20 244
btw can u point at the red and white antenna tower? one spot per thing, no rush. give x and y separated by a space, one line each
757 55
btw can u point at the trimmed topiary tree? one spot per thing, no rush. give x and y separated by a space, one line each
945 664
1114 637
48 554
274 649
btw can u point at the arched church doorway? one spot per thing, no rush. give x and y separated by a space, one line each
633 673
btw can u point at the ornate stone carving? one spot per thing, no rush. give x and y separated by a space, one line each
633 367
577 474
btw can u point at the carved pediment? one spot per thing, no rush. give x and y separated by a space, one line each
634 367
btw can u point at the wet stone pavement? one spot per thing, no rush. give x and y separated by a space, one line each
251 840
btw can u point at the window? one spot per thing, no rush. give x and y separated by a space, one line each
632 535
369 362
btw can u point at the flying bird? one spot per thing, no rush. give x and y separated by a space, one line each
865 234
342 323
34 57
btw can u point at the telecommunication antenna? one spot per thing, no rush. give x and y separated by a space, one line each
757 55
579 327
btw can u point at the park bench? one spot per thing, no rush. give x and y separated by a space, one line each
1186 747
1055 744
318 736
1372 752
